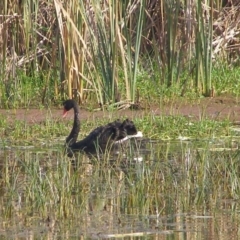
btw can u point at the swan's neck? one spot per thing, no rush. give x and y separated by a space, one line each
72 138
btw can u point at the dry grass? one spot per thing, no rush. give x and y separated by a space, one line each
86 47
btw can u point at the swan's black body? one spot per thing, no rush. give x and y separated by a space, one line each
99 139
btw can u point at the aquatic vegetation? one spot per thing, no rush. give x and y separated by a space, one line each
150 183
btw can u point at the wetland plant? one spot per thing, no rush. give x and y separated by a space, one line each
174 176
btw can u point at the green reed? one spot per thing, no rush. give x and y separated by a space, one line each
204 37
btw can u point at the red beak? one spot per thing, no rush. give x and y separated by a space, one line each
64 113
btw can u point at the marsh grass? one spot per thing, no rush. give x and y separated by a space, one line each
52 131
156 188
40 184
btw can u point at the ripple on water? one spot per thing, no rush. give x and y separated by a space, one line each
153 188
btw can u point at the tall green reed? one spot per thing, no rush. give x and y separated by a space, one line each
138 38
115 44
172 31
204 36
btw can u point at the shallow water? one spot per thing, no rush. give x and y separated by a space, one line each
149 189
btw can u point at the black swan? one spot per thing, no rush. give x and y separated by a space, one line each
101 138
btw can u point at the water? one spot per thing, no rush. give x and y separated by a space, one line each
152 189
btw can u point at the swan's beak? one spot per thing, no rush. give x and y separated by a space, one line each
64 113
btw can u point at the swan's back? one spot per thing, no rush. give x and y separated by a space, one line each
103 137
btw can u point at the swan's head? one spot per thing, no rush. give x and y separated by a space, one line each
68 105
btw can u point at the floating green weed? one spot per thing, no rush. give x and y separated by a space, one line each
175 127
165 127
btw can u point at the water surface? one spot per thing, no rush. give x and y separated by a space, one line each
149 189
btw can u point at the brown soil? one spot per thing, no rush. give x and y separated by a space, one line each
213 108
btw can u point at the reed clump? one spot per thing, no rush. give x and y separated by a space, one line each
101 49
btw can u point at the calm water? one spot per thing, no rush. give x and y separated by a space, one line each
151 190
